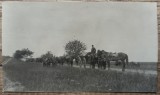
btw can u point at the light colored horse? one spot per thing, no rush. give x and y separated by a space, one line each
74 61
84 61
81 61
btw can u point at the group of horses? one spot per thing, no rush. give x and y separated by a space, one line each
102 59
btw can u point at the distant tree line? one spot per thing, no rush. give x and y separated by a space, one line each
72 48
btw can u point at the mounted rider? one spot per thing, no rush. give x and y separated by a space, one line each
93 50
93 56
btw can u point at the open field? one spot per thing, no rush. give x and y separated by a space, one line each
33 77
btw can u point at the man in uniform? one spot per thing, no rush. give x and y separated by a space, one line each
93 55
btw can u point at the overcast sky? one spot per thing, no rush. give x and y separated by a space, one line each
114 27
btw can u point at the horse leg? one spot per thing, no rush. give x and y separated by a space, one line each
93 65
101 64
108 65
43 64
71 64
123 68
104 65
98 66
90 64
117 63
79 63
84 65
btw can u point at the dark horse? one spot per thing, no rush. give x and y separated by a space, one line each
48 62
107 57
69 61
102 59
91 59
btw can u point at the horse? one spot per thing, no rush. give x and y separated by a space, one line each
46 62
69 60
81 60
88 58
61 60
49 62
91 59
118 57
102 59
40 60
108 57
84 61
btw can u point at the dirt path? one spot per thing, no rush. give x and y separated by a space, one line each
146 72
12 86
8 84
5 62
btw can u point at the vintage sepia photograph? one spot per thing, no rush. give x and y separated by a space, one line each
79 47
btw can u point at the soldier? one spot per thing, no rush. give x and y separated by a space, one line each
74 61
84 61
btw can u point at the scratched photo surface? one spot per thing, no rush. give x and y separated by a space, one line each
79 47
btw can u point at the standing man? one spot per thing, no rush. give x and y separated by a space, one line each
79 61
74 61
84 61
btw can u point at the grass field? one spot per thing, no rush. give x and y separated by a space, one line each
143 66
34 77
